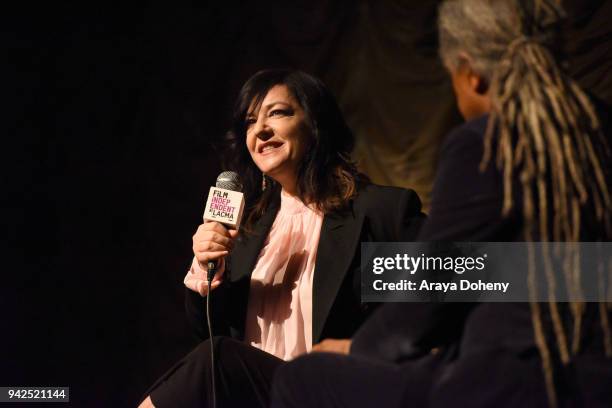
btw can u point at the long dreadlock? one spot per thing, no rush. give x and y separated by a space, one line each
547 132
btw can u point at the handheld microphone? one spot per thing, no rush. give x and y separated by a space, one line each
225 205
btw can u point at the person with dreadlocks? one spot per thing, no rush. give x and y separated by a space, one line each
530 164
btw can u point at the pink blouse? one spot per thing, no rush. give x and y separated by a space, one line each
279 314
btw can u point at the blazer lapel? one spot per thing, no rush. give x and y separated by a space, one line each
338 243
243 259
248 247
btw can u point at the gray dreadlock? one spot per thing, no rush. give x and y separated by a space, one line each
547 132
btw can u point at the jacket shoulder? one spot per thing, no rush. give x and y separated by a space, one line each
391 213
374 197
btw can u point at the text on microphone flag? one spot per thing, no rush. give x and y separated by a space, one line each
224 206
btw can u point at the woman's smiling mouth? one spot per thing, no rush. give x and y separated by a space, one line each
269 147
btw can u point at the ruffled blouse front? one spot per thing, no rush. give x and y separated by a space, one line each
279 315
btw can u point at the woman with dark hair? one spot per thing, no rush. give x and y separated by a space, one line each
291 281
530 164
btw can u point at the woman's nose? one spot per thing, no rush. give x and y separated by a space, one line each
262 130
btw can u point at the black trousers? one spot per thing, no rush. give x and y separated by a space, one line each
243 377
326 380
492 378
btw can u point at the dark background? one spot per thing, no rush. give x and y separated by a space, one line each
111 111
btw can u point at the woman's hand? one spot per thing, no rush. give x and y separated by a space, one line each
339 346
211 242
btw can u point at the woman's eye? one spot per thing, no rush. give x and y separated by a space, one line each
249 122
278 112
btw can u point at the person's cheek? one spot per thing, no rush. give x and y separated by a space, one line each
250 145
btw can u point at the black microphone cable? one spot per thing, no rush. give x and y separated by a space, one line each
212 267
227 180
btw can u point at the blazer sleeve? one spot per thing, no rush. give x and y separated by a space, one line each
195 307
400 331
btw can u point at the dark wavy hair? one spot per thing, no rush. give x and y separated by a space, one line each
327 177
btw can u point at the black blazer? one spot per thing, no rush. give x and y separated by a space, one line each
377 214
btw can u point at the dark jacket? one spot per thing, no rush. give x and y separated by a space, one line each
376 214
490 354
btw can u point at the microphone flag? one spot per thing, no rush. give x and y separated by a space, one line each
224 206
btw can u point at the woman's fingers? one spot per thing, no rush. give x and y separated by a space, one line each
340 346
205 256
216 237
212 242
206 250
201 286
197 278
220 236
209 246
214 227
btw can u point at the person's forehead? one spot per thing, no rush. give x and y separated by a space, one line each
279 91
277 94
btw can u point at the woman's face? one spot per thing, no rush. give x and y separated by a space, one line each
277 135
